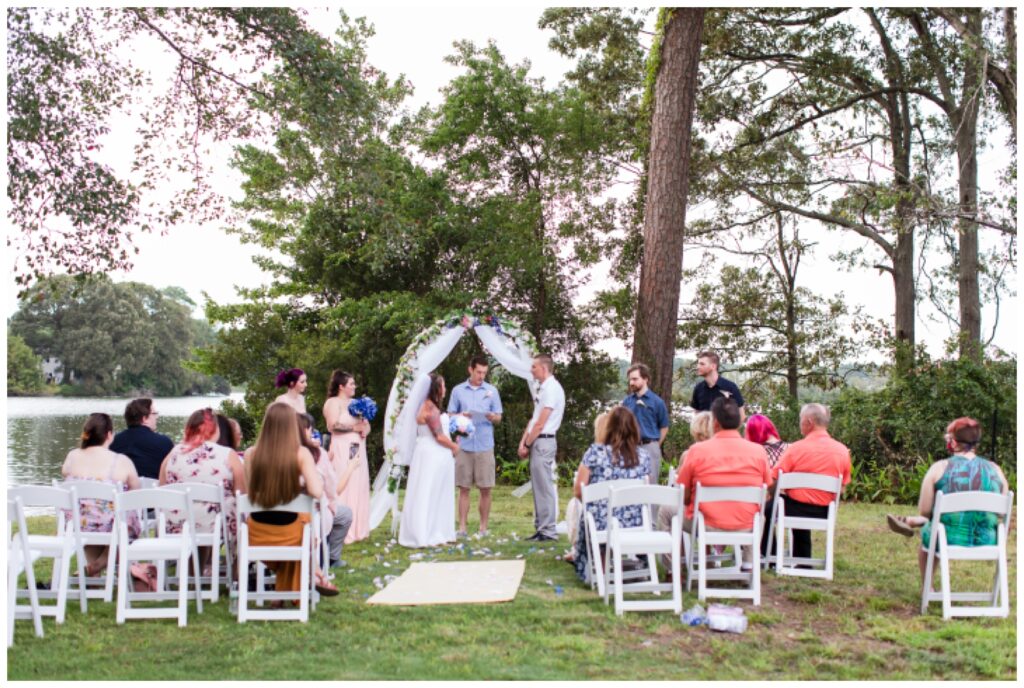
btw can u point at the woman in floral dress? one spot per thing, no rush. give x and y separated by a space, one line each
619 457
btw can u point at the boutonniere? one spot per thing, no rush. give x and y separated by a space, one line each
487 394
640 402
727 395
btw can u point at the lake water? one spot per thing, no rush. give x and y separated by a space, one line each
42 430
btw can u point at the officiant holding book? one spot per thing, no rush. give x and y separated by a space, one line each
474 462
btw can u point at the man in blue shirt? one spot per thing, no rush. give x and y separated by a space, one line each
474 462
713 386
651 413
140 442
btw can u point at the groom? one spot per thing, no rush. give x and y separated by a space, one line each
539 444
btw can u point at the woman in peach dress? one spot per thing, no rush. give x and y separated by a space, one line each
348 439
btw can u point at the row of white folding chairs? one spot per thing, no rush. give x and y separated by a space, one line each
70 540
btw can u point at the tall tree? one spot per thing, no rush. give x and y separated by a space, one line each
668 179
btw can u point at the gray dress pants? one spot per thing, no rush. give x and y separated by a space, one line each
542 473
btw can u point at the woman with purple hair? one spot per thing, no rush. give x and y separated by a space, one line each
295 381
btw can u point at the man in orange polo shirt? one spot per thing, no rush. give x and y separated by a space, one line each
816 453
725 460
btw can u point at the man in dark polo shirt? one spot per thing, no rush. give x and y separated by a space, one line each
713 386
651 413
140 441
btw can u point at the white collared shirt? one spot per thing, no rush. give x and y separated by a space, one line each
549 395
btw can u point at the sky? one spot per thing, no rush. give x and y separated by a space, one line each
414 41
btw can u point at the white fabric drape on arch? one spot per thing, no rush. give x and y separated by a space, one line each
400 430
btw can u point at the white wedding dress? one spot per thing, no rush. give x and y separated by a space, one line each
428 514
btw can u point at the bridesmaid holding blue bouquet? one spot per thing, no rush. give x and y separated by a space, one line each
348 420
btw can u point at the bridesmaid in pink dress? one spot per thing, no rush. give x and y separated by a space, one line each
348 438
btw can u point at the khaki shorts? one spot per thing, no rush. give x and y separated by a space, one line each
474 468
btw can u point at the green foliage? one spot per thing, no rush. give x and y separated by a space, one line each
24 368
72 71
374 248
113 337
896 433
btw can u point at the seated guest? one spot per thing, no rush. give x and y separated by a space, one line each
760 430
964 471
277 470
200 459
816 453
140 441
336 518
725 460
229 433
574 517
93 460
700 429
615 455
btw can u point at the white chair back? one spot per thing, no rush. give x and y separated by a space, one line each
59 547
596 538
998 598
647 541
95 490
785 563
180 548
208 493
19 560
303 553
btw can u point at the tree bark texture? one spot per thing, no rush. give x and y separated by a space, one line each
675 90
966 137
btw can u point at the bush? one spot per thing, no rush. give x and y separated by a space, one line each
896 433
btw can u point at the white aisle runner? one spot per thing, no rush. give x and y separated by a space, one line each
454 582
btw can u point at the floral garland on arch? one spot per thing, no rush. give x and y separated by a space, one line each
517 336
509 343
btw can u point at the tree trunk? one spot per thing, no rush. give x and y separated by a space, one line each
668 179
966 137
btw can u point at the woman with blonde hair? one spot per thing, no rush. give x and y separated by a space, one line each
277 470
574 509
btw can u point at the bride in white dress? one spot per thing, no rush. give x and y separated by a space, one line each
428 515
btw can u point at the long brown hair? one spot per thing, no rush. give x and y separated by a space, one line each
623 436
339 378
95 430
305 421
273 469
435 394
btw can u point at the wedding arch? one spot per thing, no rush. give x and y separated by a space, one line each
511 345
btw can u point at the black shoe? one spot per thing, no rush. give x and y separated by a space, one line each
338 564
536 536
42 585
546 538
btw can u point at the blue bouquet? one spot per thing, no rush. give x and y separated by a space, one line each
460 426
363 407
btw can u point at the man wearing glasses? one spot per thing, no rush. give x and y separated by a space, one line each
140 441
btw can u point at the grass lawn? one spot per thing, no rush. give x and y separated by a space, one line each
862 625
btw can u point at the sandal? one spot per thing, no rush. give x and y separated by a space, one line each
326 588
898 524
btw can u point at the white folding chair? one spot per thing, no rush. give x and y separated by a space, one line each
702 537
147 520
938 546
60 546
19 560
304 553
204 494
782 526
163 547
92 489
595 538
624 541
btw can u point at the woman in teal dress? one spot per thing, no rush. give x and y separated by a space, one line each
964 471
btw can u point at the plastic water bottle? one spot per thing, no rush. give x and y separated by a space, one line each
726 619
694 616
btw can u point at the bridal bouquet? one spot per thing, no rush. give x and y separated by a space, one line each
363 407
460 426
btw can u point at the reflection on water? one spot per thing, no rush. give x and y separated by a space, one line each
41 430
